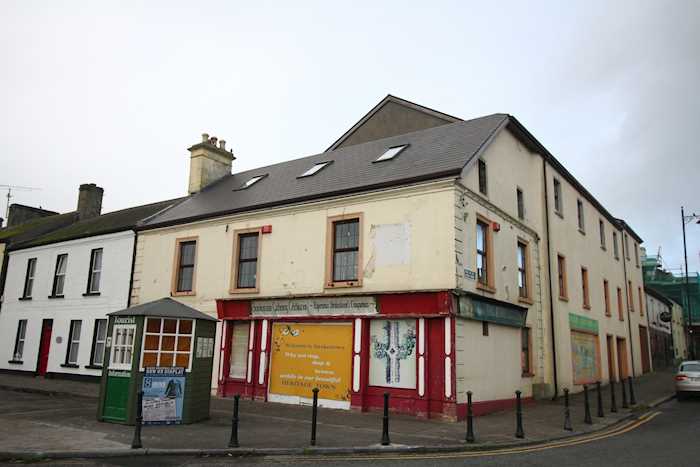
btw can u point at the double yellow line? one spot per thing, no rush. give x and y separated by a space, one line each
616 431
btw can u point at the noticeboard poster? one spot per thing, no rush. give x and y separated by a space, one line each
163 395
305 356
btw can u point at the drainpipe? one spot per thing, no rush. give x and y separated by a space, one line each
628 298
133 261
549 272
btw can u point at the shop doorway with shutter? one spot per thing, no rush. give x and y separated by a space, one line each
44 346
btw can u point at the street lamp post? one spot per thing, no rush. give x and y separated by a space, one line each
690 218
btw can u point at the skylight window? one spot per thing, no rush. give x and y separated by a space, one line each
391 153
252 181
314 169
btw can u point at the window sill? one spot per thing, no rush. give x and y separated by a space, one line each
608 315
182 294
69 365
91 294
563 298
602 247
343 284
486 288
244 290
559 213
527 375
55 296
93 367
526 300
581 231
587 307
21 299
15 362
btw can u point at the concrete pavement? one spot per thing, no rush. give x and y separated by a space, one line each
61 417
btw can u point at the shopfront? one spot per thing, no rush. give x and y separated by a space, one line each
353 348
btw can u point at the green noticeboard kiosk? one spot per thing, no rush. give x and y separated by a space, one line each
165 349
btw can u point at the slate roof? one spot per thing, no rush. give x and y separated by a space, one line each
35 228
163 308
110 222
433 153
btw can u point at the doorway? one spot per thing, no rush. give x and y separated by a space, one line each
610 344
644 346
44 346
621 358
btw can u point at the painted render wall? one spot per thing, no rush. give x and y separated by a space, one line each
114 292
680 344
509 166
654 308
292 257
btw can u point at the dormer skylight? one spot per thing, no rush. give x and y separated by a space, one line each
391 153
314 169
252 181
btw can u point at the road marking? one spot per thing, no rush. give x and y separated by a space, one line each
494 452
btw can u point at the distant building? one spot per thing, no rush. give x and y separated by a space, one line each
660 317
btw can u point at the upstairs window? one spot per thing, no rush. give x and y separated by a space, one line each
521 203
606 293
616 248
346 245
558 205
523 273
29 278
641 301
561 271
252 181
247 245
581 218
483 184
636 254
391 153
584 288
484 255
93 285
601 228
59 277
185 257
314 169
620 311
627 246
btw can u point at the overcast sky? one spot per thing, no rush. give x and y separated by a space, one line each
114 92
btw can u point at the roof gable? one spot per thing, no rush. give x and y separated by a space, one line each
392 116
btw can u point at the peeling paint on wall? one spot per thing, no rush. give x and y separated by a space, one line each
391 244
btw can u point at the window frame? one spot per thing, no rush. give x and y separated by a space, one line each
233 325
489 285
626 245
482 181
91 271
526 336
616 246
331 221
558 197
383 157
176 267
160 335
314 169
641 301
56 275
29 279
237 234
96 341
115 347
520 203
630 296
21 329
620 307
636 254
601 227
585 289
562 280
72 340
580 216
526 273
606 297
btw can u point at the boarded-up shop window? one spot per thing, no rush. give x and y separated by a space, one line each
392 360
585 357
167 342
239 349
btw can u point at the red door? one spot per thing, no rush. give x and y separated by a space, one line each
44 345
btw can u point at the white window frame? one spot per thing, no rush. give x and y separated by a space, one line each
96 340
60 272
74 340
20 337
160 339
116 347
29 278
95 271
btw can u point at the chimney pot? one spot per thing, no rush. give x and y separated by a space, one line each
205 137
222 144
213 140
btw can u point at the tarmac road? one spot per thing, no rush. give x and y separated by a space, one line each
669 437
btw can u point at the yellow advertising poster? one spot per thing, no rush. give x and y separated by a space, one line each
305 356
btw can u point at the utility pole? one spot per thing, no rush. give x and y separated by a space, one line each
687 286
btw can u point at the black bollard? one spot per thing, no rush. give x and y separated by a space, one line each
470 419
136 442
624 394
567 411
633 401
233 442
600 400
587 415
613 403
314 414
519 433
385 421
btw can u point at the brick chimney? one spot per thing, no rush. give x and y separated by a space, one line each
208 162
89 201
